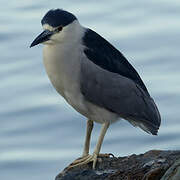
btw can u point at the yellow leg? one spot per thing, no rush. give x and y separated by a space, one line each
92 158
89 128
99 143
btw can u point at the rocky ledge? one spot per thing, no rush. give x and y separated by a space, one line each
152 165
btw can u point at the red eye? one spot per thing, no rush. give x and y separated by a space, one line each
59 28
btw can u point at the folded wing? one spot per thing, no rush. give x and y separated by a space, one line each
119 90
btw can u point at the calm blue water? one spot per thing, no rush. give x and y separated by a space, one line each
40 134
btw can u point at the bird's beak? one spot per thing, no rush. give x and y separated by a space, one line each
44 36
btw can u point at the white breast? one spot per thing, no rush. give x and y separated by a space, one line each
63 68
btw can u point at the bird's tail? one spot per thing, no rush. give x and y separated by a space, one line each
151 120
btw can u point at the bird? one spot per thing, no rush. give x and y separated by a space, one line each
95 78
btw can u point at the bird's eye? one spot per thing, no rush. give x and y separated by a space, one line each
59 29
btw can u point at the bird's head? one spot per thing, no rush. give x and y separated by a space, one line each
58 25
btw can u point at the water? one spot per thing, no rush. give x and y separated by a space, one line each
40 134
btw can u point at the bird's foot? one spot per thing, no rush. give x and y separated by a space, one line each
89 158
85 160
79 160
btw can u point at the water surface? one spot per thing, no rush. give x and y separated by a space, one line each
40 133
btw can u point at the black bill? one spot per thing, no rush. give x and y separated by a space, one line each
44 36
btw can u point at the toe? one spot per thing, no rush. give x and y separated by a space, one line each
85 160
107 155
79 160
82 159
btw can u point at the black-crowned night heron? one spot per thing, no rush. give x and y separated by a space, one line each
94 78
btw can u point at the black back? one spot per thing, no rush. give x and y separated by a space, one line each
58 17
103 54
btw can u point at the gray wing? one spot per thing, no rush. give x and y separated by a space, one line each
105 55
120 95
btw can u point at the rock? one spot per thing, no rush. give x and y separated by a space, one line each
173 173
152 165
